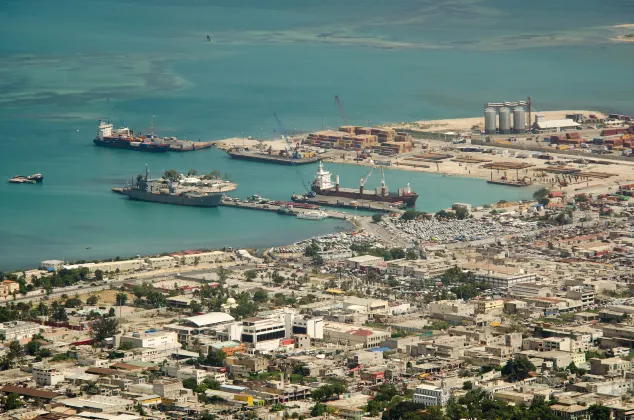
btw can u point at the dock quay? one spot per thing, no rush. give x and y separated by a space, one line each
509 183
349 204
277 206
408 162
187 145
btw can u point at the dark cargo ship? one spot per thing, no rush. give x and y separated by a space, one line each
122 138
322 185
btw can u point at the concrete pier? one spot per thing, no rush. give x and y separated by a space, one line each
275 207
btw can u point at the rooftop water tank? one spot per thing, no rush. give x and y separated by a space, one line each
519 120
505 120
489 121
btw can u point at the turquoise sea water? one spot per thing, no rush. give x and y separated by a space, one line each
389 61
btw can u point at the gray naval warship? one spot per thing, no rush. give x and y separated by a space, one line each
185 191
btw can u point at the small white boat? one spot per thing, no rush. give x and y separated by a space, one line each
312 215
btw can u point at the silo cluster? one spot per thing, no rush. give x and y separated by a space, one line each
497 119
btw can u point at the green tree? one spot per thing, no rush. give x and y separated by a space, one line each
216 358
103 328
171 175
126 345
73 302
92 300
99 275
301 369
410 215
318 410
599 412
32 348
192 172
250 275
404 410
461 211
377 217
467 386
195 306
260 296
412 254
317 260
190 383
541 194
517 369
121 298
58 312
12 402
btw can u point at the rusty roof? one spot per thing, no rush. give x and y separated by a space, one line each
29 392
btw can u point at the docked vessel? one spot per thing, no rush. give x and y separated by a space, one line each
312 215
30 179
284 157
184 191
123 138
323 186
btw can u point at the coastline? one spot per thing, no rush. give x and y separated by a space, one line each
622 171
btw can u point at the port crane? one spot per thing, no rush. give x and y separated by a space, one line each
343 113
360 154
294 154
364 180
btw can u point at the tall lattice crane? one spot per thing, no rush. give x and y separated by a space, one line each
293 154
360 155
343 113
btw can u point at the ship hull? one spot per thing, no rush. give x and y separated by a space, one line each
409 200
279 160
126 145
179 200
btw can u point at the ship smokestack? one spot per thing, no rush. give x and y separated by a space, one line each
361 187
337 183
383 190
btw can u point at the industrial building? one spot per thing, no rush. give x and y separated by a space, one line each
429 395
47 376
18 330
191 327
500 277
353 336
109 266
152 339
497 117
